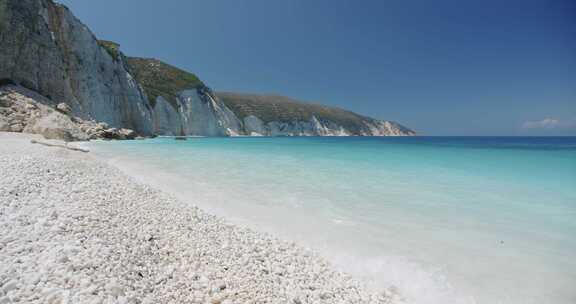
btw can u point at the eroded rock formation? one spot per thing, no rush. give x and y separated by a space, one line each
47 50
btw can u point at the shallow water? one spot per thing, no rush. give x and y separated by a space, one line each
443 219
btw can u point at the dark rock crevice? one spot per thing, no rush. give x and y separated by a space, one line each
6 81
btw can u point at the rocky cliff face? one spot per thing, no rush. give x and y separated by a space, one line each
254 126
48 50
203 114
183 104
45 49
282 116
167 118
196 113
23 110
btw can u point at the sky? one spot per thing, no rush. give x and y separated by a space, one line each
446 67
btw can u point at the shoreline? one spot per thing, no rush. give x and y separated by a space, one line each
78 229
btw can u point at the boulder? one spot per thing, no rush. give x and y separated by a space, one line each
5 111
58 133
57 126
16 127
4 125
4 101
30 107
127 133
64 108
110 133
98 130
102 125
26 111
18 118
113 133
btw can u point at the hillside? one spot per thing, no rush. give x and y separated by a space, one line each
270 108
161 79
66 63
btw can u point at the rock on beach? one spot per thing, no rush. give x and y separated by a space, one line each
22 110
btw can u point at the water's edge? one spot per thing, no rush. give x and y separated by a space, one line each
217 193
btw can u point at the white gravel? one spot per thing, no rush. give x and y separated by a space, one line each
75 230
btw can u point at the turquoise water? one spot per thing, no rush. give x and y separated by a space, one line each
442 219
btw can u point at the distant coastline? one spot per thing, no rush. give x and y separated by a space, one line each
64 66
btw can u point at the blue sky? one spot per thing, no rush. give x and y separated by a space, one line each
447 67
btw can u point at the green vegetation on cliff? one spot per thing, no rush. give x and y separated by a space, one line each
112 48
283 109
161 79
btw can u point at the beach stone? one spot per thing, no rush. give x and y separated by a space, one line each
55 298
114 289
9 286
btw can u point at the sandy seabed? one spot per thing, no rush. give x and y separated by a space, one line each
74 229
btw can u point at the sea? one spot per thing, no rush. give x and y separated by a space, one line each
483 220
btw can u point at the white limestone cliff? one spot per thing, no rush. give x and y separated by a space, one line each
45 48
167 119
197 113
253 126
275 115
203 114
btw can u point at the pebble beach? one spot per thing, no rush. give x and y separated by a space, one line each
74 229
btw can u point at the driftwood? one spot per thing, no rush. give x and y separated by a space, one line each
59 146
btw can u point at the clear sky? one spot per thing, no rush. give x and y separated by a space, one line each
446 67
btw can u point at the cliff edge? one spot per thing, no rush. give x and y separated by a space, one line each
47 50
